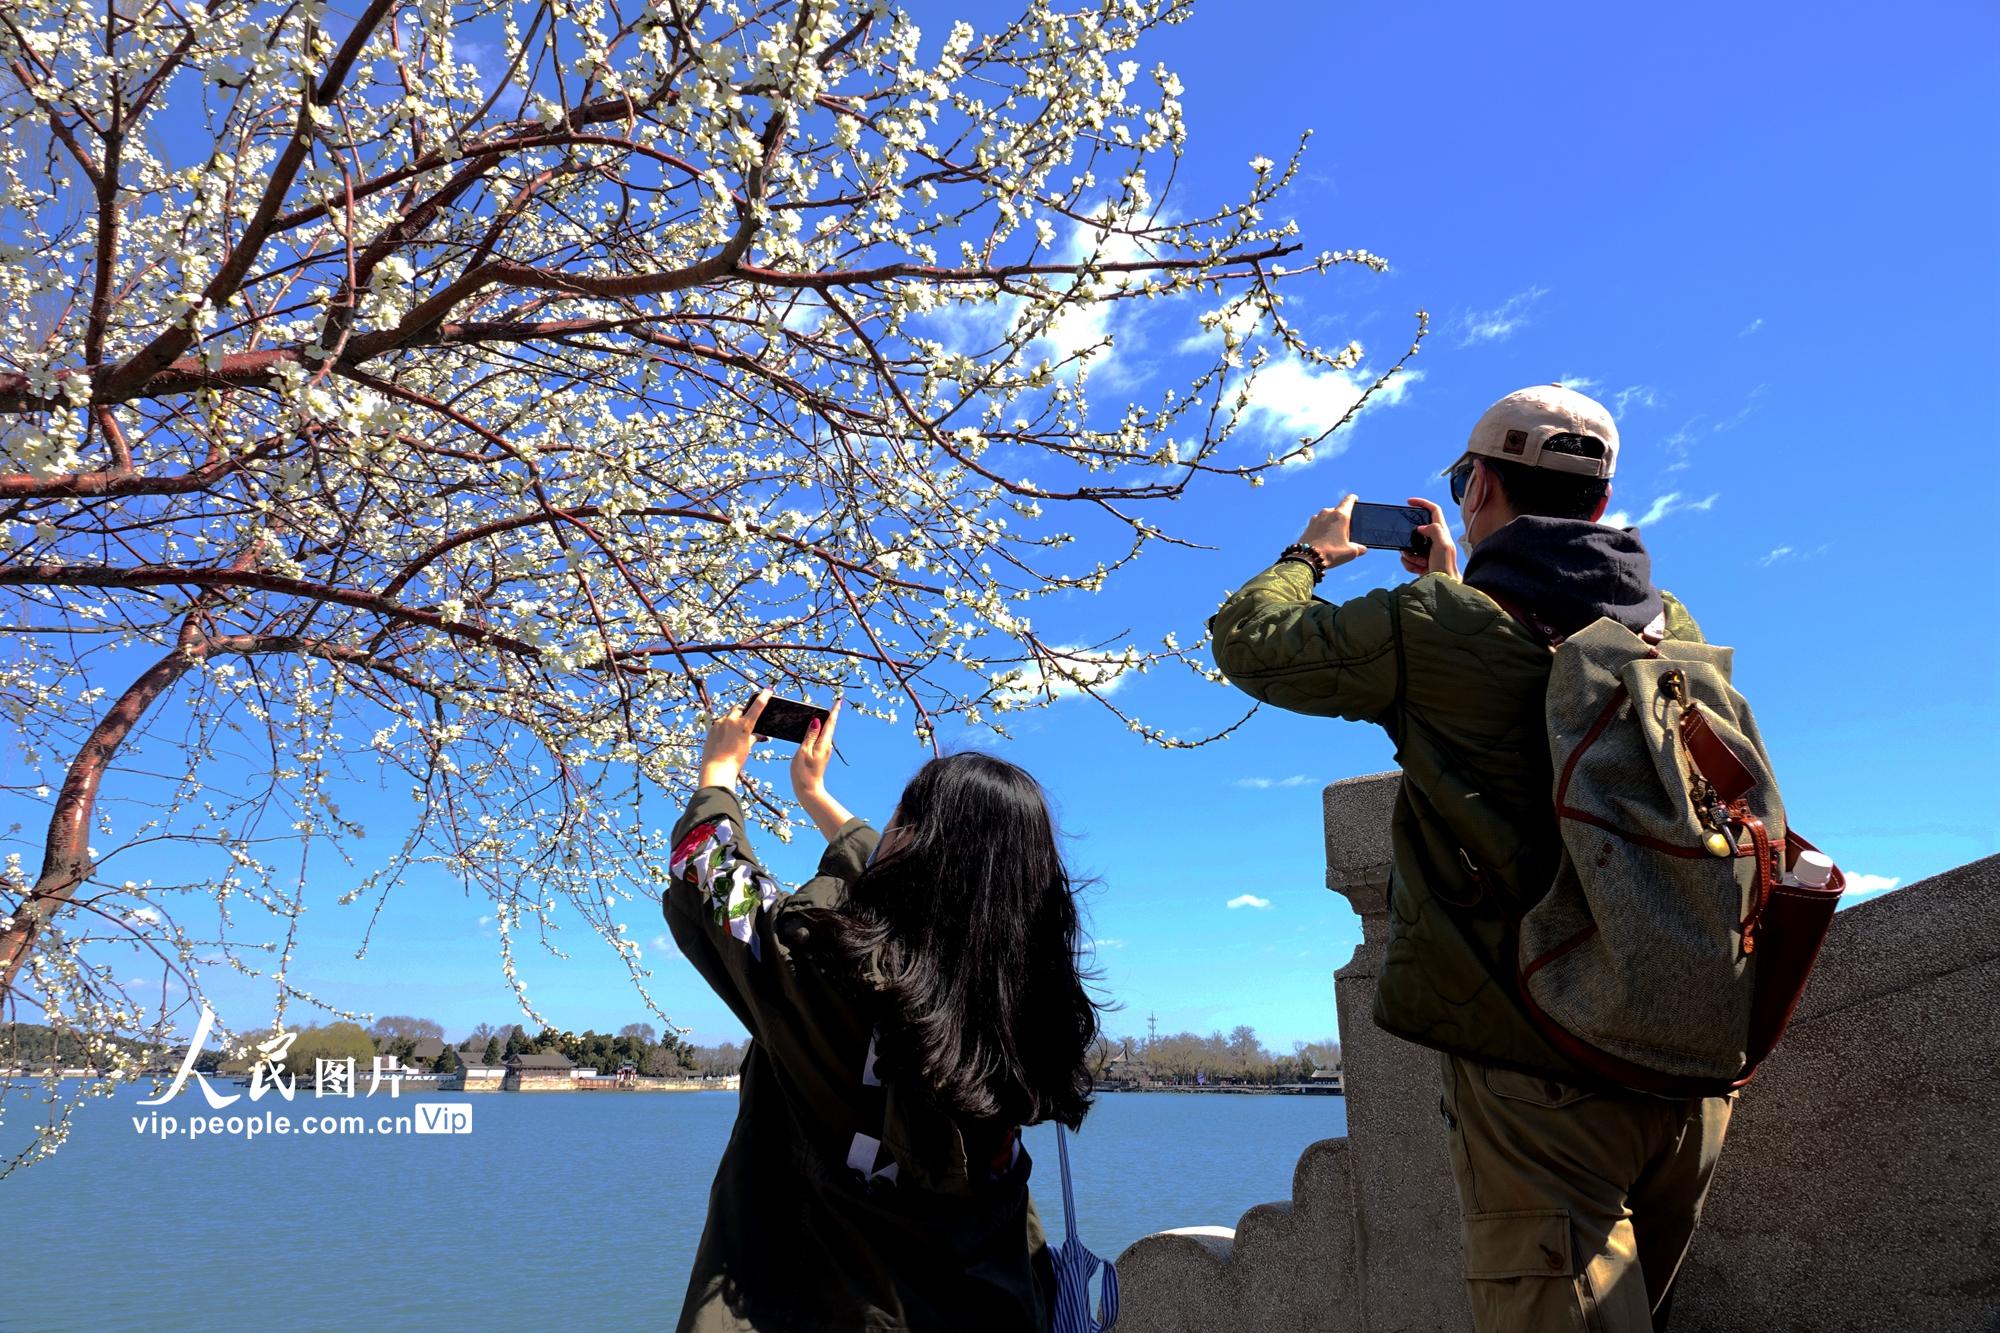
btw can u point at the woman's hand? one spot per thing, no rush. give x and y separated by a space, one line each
1442 558
810 759
729 739
809 776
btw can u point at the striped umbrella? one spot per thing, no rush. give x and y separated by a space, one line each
1075 1266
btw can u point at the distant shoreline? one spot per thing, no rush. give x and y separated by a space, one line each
1276 1090
435 1084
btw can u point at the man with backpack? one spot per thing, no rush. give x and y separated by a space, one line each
1579 1195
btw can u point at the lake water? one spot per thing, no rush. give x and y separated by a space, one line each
556 1210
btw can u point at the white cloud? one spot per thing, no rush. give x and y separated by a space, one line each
1680 445
1861 888
1298 401
1109 944
804 311
1066 677
1742 414
661 942
1670 503
485 920
1079 329
1292 399
1791 553
1751 327
1084 324
1265 784
1682 439
1580 383
1248 900
1643 395
1478 326
970 326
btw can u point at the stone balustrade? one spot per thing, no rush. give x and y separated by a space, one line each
1860 1189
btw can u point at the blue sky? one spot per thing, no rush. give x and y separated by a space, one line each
1765 235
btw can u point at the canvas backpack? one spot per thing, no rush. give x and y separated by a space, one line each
1669 952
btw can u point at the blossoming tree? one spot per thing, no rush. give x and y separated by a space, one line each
469 391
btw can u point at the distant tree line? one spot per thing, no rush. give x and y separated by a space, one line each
637 1044
1174 1058
1185 1058
34 1046
1239 1056
716 1061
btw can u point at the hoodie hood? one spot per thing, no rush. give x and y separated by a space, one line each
1568 572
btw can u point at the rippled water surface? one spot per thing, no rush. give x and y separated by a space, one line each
558 1210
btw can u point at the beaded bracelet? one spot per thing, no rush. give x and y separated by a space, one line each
1300 553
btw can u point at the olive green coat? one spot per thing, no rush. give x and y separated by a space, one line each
796 1239
1459 685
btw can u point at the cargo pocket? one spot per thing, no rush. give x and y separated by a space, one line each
1520 1273
1544 1092
1532 1242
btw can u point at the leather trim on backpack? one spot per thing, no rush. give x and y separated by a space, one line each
1573 942
1564 810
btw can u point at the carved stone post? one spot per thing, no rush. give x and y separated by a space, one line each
1406 1209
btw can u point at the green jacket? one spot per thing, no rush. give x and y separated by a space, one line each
935 1236
1459 686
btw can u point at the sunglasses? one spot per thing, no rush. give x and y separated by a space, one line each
1461 481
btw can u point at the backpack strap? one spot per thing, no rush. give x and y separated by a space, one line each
1528 620
1654 633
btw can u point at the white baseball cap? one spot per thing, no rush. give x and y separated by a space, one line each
1515 429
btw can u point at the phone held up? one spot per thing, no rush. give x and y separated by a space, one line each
1388 528
787 719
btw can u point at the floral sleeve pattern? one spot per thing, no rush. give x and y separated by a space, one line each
731 884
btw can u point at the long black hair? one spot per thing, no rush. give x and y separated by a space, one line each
966 925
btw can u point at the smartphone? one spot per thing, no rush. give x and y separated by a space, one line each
1390 527
787 719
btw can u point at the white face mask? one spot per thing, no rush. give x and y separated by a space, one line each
891 838
1467 510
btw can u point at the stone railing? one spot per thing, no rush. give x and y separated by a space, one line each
1860 1188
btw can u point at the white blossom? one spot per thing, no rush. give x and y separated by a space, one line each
471 439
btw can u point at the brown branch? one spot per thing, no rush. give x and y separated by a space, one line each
65 853
154 576
167 347
930 726
500 525
854 277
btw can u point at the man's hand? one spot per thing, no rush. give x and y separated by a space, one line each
1326 533
1442 558
729 739
809 776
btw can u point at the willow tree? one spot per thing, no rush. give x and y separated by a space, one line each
461 393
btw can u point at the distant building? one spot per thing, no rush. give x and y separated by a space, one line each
474 1074
1335 1076
543 1071
425 1051
1126 1070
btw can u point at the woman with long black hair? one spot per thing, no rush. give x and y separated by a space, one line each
910 1009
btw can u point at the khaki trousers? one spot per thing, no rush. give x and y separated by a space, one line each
1577 1206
